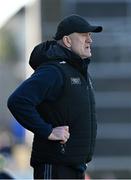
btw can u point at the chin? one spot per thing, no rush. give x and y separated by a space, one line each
88 56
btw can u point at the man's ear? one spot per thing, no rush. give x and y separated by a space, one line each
67 41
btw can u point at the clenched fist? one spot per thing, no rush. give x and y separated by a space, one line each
60 133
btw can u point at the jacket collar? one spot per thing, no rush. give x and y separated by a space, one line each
75 60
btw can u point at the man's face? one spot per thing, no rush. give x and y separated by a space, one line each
80 44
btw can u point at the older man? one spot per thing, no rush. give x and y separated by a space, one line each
57 103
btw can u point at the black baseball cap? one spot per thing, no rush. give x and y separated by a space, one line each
74 23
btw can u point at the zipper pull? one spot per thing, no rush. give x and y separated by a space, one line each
62 148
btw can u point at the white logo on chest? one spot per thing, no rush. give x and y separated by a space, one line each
76 80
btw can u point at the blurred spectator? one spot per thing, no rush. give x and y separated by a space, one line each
6 142
3 173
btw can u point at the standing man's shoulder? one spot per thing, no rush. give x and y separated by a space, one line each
50 72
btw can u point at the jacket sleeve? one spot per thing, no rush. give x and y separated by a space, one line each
45 84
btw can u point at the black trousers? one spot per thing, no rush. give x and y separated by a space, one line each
49 171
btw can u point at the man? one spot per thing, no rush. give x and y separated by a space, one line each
57 103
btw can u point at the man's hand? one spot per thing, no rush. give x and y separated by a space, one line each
60 133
